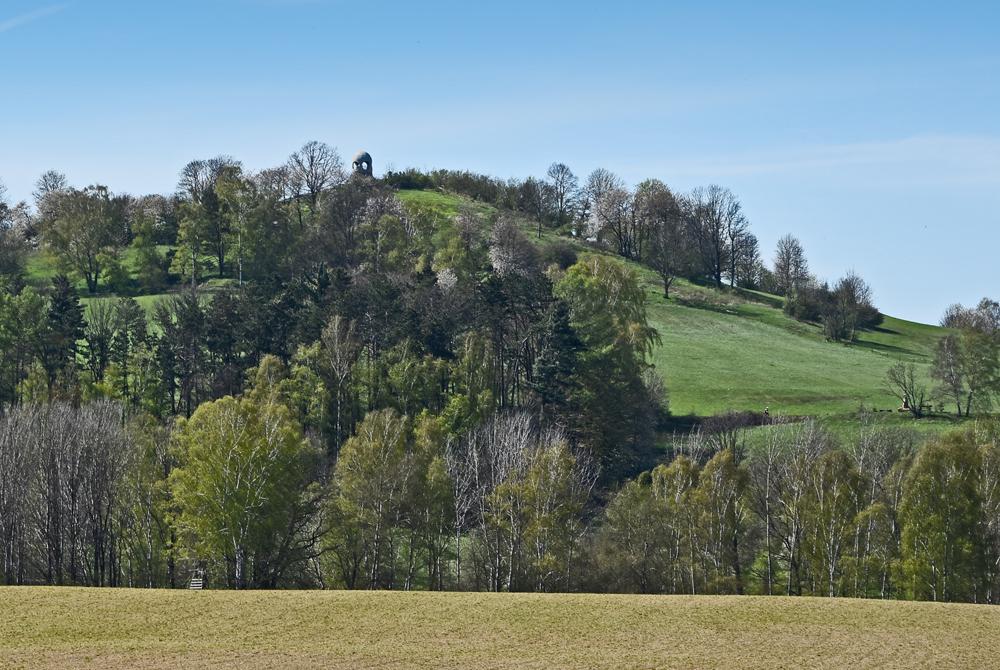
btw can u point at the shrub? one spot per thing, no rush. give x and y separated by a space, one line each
560 253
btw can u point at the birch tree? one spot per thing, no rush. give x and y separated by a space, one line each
242 490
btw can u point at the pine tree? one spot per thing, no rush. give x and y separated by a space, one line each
556 363
64 329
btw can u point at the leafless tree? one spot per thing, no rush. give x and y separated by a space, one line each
75 500
462 472
613 218
715 212
975 349
18 470
737 240
983 318
317 167
536 198
49 184
882 456
491 464
748 266
791 270
850 308
799 450
763 468
903 382
199 176
667 251
273 183
729 431
948 371
15 228
342 348
108 457
599 182
627 219
564 187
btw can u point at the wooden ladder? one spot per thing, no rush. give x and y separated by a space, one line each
197 582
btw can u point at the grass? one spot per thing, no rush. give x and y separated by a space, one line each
41 267
440 206
54 627
719 351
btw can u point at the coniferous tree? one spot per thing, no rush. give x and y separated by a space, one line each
65 327
556 364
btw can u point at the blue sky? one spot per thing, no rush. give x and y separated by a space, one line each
869 130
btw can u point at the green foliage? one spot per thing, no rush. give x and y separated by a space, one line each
554 380
831 507
86 232
371 482
941 512
149 263
552 497
188 262
722 351
460 393
472 397
114 273
431 504
607 308
240 488
682 528
22 330
413 382
149 537
723 522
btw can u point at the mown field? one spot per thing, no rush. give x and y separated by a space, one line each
122 628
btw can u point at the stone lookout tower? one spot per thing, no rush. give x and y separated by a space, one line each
362 163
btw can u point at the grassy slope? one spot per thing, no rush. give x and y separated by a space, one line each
121 628
723 351
440 205
720 351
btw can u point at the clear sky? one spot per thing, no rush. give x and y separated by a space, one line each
870 130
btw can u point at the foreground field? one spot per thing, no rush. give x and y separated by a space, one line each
105 628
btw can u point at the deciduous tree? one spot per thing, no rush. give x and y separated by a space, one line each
242 490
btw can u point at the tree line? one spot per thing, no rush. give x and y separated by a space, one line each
240 492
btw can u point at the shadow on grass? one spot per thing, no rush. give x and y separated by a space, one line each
887 349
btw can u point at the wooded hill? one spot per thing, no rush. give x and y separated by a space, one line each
303 378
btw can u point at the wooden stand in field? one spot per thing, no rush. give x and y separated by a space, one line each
197 582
